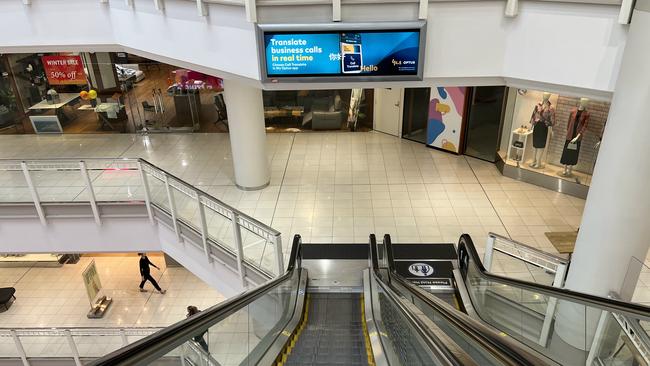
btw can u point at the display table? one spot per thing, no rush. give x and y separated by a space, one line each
295 112
64 99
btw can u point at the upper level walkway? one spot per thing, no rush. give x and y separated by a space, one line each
334 187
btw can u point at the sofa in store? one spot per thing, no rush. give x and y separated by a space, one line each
129 72
326 111
326 120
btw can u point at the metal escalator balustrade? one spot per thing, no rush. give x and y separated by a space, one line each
480 342
569 327
104 188
241 330
266 326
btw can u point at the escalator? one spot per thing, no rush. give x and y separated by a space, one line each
560 326
337 304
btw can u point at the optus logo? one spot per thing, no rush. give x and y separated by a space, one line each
421 269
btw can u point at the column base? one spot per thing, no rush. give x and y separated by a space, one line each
253 188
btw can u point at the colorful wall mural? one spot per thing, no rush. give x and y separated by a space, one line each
446 117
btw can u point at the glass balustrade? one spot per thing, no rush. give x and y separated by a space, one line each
104 181
567 331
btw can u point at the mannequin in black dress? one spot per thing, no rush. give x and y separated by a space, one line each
578 121
541 122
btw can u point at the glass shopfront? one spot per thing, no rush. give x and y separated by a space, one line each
104 92
553 134
318 110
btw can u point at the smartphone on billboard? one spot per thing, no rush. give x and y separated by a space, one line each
351 56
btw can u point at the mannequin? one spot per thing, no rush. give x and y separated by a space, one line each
541 122
576 127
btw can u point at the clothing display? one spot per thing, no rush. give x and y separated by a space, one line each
542 118
582 119
570 153
540 133
578 121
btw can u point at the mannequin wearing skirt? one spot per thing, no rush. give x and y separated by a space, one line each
576 127
541 121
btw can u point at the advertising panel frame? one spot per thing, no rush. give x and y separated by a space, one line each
262 29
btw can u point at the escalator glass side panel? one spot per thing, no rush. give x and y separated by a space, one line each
562 328
475 350
241 336
244 337
402 341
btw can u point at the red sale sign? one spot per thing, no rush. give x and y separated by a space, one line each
61 70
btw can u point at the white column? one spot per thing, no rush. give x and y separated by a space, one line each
247 135
615 225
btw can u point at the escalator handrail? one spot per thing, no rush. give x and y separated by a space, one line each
467 252
428 337
178 333
507 351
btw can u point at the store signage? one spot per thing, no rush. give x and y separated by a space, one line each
421 269
63 70
429 274
351 53
91 281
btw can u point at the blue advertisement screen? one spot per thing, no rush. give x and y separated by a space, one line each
365 53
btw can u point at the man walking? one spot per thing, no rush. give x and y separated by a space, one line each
145 272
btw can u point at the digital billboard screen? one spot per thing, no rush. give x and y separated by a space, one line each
343 54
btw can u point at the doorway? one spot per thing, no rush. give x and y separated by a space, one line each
416 113
484 122
388 107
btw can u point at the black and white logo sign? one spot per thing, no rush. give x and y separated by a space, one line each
421 269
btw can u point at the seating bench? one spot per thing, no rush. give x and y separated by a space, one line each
6 294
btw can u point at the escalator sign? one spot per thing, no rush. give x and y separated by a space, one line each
421 269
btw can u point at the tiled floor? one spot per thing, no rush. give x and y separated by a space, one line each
56 297
339 187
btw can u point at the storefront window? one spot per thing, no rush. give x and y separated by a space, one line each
9 111
104 92
554 134
317 110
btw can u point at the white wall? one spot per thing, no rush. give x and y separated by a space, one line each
56 23
223 42
468 42
82 235
568 44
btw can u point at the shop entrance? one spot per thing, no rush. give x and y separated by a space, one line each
105 92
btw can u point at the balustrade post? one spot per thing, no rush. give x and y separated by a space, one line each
239 245
91 193
19 347
172 208
34 193
147 193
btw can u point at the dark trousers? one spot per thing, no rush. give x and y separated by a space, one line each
148 277
201 342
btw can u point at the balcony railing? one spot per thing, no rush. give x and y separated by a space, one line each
169 200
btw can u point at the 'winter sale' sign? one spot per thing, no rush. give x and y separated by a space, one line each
62 70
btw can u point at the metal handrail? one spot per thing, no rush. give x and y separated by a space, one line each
219 202
540 253
27 331
467 253
428 335
204 200
503 348
135 160
160 343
